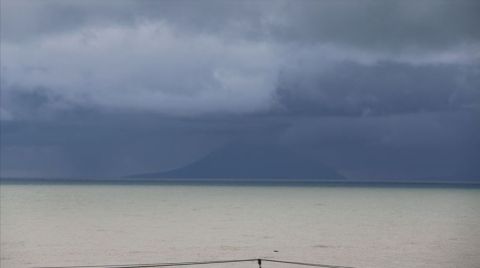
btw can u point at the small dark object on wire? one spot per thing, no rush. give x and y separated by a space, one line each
151 265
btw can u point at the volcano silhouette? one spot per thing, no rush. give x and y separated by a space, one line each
246 161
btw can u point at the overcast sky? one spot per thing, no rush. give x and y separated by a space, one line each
375 89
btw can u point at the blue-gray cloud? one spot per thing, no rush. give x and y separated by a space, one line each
178 59
107 88
384 88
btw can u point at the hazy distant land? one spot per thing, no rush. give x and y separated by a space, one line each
241 161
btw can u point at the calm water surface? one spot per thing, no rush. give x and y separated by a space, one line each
80 224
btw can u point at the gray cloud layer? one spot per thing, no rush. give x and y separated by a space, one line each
222 70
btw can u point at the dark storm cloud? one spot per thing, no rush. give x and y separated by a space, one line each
106 88
370 24
386 25
428 145
353 89
186 58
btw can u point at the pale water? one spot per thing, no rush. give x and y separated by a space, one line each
80 224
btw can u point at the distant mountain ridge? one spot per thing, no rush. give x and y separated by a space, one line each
246 161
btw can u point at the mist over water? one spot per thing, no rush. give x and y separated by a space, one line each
81 224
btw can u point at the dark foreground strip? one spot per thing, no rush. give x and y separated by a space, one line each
147 265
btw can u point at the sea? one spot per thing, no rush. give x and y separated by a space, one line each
58 224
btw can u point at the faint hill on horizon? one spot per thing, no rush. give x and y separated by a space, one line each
247 161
